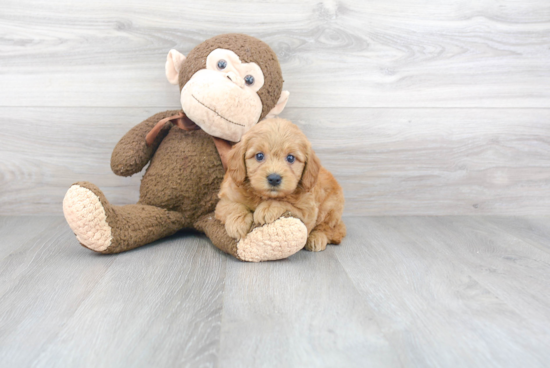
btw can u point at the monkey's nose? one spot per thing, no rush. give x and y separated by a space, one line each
274 179
235 79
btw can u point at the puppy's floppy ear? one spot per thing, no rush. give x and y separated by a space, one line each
311 171
236 165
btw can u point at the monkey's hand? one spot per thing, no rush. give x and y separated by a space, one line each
269 211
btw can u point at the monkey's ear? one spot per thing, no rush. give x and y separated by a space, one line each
173 65
236 165
311 171
280 106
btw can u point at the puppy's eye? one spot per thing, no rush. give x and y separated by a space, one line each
249 80
222 64
290 159
259 156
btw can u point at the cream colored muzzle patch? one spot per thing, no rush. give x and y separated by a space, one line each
219 106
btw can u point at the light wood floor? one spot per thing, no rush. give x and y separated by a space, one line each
400 291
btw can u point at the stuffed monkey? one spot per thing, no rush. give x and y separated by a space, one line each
228 83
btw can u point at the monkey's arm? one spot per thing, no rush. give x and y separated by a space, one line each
131 153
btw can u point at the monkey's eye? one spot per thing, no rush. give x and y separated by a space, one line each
222 64
290 159
249 80
259 156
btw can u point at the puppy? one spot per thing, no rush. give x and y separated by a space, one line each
272 171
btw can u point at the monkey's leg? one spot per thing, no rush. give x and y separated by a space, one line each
105 228
277 240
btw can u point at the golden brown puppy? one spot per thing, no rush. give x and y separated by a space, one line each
274 170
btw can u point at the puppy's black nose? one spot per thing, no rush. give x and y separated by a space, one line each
274 179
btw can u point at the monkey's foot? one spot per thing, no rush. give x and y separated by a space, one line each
278 240
87 217
105 228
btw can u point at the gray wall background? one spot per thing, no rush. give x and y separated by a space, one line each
418 107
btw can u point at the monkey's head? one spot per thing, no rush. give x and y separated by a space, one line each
228 83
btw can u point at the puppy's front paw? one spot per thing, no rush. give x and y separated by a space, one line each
268 212
316 241
238 226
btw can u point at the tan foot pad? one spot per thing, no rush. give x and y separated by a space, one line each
277 240
86 217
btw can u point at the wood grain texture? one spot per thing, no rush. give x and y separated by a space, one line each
533 230
399 292
283 314
348 53
503 262
429 284
15 231
417 107
389 161
62 305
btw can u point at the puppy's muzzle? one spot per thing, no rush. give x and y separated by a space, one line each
274 180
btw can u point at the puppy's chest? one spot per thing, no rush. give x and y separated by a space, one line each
305 202
251 201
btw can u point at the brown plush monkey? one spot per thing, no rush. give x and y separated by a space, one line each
228 83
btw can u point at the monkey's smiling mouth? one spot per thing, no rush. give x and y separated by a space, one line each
215 112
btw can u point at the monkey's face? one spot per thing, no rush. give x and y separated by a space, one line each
222 98
228 83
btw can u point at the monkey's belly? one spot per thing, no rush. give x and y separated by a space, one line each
184 175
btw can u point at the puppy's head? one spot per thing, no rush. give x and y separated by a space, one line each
275 158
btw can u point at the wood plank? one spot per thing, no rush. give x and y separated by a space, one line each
48 150
432 307
298 312
345 53
532 230
435 161
159 305
400 291
389 161
15 231
514 270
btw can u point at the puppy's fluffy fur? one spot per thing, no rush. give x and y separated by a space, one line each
306 189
